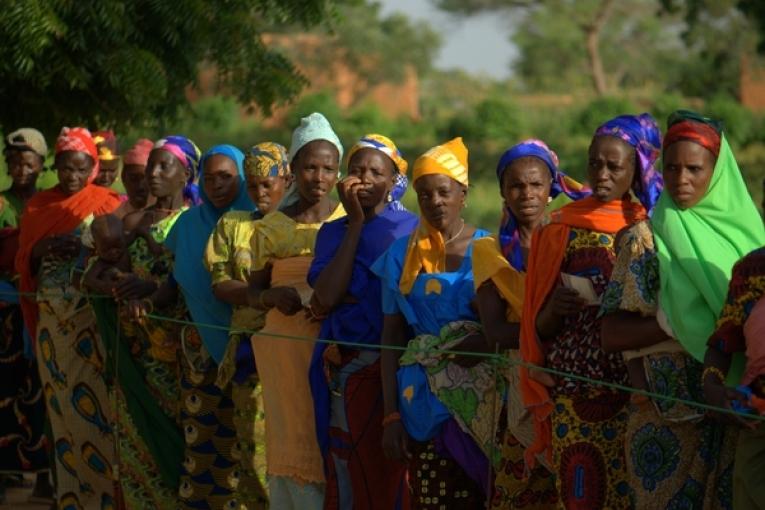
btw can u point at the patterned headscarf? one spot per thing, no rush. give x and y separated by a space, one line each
641 132
106 142
386 146
188 154
509 239
79 139
684 125
267 159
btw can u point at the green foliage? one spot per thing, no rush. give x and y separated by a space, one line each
128 63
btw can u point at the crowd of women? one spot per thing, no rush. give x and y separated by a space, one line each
228 336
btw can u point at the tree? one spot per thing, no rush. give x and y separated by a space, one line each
127 63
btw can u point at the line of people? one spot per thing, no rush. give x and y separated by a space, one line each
171 334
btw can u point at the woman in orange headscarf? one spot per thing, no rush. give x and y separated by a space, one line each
62 324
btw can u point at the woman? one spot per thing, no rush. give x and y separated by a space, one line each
283 247
675 453
25 152
228 257
580 426
150 463
108 158
427 285
348 402
207 410
134 179
529 179
62 324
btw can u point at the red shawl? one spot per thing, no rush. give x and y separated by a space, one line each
48 213
548 248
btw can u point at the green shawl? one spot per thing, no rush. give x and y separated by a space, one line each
160 433
697 248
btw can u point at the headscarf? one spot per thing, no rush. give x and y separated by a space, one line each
684 125
509 239
188 239
52 212
139 154
106 143
312 128
267 159
386 146
548 247
188 154
697 247
79 139
426 250
641 132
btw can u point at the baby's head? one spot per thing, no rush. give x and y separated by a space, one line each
108 237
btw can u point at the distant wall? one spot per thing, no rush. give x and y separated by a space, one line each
752 84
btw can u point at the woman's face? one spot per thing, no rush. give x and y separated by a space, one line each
441 200
73 168
688 169
377 174
220 180
611 168
526 189
165 174
315 168
107 173
136 187
23 167
267 192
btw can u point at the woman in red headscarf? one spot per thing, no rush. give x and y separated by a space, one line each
63 326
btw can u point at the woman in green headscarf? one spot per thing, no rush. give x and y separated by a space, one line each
704 222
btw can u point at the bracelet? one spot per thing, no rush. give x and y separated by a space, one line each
391 418
149 304
714 371
261 304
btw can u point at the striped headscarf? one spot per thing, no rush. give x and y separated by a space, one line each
386 146
79 139
188 154
509 239
641 132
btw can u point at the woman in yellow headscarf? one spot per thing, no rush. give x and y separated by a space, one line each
427 285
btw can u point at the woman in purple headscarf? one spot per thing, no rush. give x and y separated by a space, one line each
529 180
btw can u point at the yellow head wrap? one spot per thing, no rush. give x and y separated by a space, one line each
427 250
383 144
267 159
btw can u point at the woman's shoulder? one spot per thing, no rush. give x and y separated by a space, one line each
751 265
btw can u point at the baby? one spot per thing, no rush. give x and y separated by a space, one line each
112 261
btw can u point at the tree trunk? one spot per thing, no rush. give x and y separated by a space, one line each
592 32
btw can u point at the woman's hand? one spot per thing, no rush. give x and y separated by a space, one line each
285 299
132 287
395 442
471 344
564 301
718 395
347 190
136 309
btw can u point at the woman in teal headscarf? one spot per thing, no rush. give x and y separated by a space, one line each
209 476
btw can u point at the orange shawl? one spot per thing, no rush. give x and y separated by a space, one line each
548 248
48 213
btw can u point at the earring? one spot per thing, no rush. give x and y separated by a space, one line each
389 198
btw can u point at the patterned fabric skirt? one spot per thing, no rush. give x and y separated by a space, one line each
512 489
71 365
23 444
250 449
358 474
210 469
678 464
438 482
588 451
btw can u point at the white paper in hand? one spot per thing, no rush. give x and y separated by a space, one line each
583 286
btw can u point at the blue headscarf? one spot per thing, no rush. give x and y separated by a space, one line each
641 132
509 239
188 240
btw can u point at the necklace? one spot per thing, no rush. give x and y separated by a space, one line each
455 236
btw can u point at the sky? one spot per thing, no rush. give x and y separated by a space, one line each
477 44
